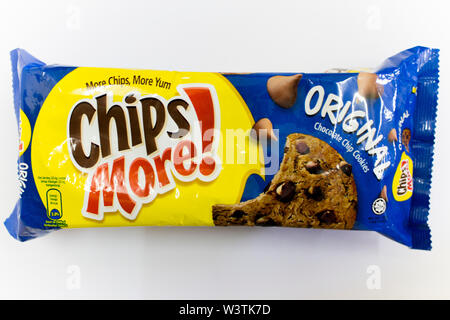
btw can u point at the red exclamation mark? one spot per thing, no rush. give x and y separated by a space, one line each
204 107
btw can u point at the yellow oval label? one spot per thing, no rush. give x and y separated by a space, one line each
402 185
54 204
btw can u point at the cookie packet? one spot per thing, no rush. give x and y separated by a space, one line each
345 149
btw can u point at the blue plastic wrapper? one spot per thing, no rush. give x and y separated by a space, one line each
371 134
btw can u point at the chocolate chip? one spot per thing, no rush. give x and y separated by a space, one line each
302 147
315 193
383 194
392 136
313 167
286 149
368 87
346 168
130 99
238 214
263 129
327 217
285 191
283 89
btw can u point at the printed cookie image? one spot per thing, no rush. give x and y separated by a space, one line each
406 136
313 188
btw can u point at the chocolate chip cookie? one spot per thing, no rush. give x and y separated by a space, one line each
406 137
313 188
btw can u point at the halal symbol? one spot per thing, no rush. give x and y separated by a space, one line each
379 206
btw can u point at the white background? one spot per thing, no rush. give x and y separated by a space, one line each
308 36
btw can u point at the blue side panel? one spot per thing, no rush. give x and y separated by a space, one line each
32 82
